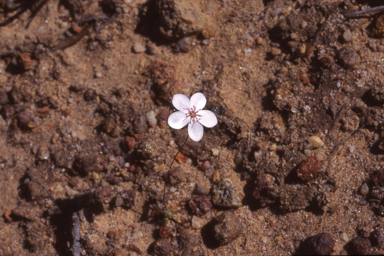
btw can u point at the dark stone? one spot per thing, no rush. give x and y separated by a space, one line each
320 244
176 176
264 185
90 95
77 88
228 228
349 57
140 125
161 247
359 246
377 238
85 165
200 205
377 178
3 97
24 118
125 199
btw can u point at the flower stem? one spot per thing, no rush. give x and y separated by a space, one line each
170 166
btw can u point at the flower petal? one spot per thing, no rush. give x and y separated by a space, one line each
208 118
178 120
180 102
198 100
195 131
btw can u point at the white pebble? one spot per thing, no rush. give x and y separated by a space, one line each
197 222
151 117
345 237
215 152
138 48
314 142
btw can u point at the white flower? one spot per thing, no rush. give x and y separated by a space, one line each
191 113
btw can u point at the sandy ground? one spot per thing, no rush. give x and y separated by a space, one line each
86 88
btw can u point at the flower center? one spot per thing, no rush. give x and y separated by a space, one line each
192 113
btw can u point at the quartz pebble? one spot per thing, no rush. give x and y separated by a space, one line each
151 117
138 48
314 142
197 222
215 152
347 35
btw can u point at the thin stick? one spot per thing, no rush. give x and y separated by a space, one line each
178 151
374 9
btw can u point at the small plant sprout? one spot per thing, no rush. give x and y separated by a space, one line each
191 113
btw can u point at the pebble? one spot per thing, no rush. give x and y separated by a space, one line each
162 247
202 189
344 237
378 238
138 48
90 95
228 228
185 44
347 35
360 246
215 152
224 194
152 49
43 153
275 51
24 118
364 189
197 222
260 41
314 142
151 117
320 244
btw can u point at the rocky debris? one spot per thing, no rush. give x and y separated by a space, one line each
188 242
308 170
228 227
176 176
23 92
125 199
84 165
37 191
378 28
3 97
349 58
28 211
320 244
293 198
103 196
264 185
90 95
114 234
161 247
180 18
377 238
377 178
359 246
200 205
164 77
224 194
